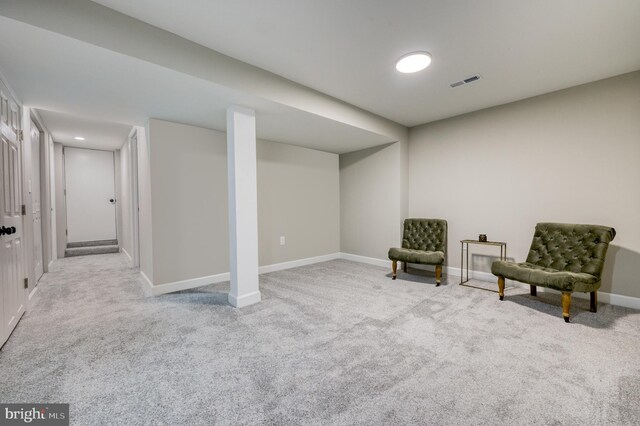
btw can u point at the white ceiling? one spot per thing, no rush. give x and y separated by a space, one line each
98 134
344 49
96 85
347 49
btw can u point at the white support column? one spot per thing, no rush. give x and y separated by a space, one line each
243 206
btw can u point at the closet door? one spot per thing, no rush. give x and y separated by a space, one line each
14 294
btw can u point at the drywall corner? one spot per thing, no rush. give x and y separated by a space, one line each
144 200
371 200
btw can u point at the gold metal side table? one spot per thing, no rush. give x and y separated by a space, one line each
503 256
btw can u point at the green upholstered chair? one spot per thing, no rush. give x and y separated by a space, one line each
563 257
424 241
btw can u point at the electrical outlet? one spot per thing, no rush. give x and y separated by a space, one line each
281 241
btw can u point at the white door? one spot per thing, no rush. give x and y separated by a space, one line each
13 295
34 187
90 184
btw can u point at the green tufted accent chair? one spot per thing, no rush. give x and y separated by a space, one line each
424 241
564 257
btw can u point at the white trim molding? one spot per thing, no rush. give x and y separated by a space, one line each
129 258
367 260
473 275
297 263
610 298
614 299
186 284
218 278
603 297
33 292
245 299
148 288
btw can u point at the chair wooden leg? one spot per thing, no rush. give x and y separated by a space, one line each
534 290
438 274
566 305
394 268
404 266
594 301
501 287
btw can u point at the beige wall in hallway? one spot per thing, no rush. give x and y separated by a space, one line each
298 198
569 156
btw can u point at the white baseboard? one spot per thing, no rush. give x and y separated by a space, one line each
475 275
610 298
300 262
603 297
188 284
33 292
367 260
615 299
218 278
244 300
128 255
149 285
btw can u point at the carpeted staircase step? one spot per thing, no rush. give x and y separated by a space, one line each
93 243
85 251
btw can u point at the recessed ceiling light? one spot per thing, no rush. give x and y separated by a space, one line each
413 62
79 138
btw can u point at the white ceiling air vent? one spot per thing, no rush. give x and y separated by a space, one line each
467 80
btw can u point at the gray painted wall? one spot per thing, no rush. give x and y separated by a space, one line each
298 198
189 199
569 156
371 200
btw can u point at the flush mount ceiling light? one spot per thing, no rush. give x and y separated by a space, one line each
79 138
413 62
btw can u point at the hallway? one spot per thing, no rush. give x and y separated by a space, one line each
93 339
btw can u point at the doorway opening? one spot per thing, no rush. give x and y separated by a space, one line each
90 192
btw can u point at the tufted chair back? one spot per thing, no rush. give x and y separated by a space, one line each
425 234
569 247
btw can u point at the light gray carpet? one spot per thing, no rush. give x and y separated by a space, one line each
332 343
